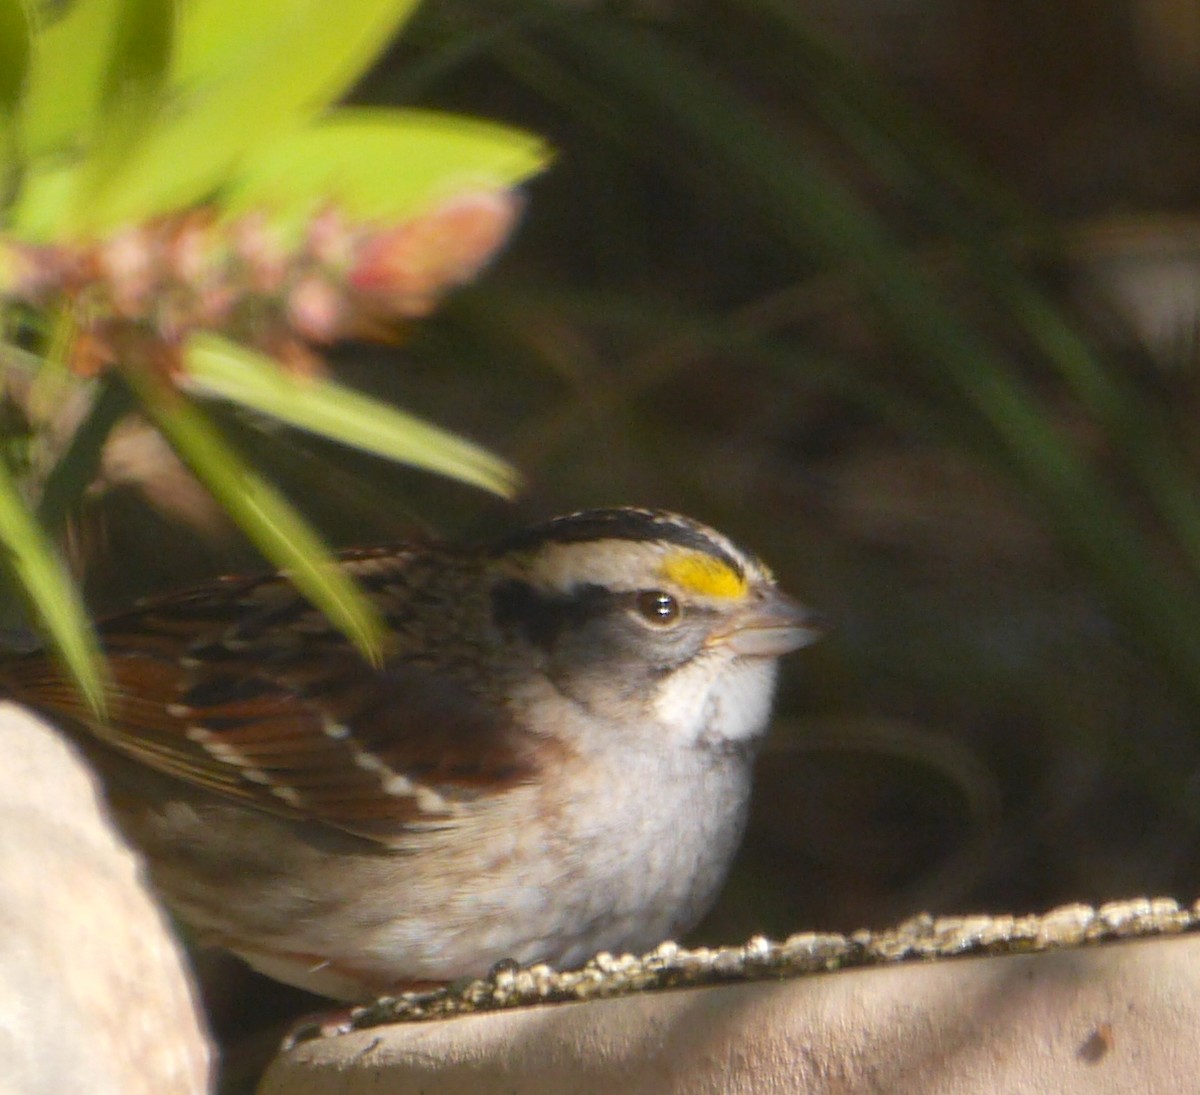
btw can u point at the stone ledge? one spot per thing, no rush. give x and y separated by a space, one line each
1115 1017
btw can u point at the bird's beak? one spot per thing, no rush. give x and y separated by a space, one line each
771 625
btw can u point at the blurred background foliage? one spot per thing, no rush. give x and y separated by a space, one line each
906 297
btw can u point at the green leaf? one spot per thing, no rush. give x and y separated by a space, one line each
383 164
217 367
319 49
47 192
238 88
45 580
131 96
71 75
66 79
16 35
270 522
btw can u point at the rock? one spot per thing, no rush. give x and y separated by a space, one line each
1114 1017
94 993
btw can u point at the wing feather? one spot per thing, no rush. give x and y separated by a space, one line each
243 690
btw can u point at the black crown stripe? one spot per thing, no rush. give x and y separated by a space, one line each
620 524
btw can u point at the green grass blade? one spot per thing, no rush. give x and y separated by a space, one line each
44 579
217 367
270 522
77 467
382 164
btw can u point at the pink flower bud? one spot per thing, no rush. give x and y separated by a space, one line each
129 264
315 308
402 270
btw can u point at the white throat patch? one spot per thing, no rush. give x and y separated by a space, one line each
731 706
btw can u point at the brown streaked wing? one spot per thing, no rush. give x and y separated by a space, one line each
381 752
310 731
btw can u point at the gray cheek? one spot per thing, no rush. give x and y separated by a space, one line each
612 663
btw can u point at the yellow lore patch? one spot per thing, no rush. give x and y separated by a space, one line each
702 574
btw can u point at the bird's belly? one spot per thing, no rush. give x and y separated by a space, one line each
543 881
645 868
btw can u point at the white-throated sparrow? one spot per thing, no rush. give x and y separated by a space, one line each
553 760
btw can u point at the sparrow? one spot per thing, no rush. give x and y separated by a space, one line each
553 759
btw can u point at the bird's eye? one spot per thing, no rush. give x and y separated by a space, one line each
658 607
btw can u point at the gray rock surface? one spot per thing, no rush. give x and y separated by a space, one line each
94 994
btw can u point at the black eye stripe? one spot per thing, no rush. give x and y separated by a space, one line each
541 617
